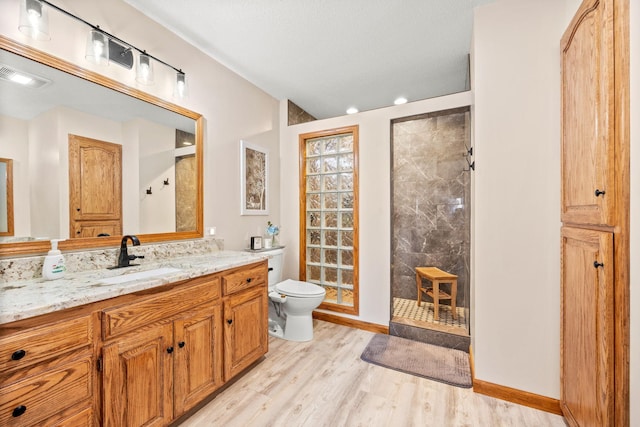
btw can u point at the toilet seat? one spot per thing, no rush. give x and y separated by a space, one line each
296 288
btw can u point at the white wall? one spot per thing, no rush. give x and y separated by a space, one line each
131 195
374 195
233 108
12 130
157 163
44 173
635 210
517 214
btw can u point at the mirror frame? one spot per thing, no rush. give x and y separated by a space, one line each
42 246
9 195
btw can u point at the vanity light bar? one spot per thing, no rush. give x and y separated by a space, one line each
120 51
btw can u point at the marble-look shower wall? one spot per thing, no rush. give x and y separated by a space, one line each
430 199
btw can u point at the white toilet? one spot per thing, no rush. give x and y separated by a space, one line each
291 304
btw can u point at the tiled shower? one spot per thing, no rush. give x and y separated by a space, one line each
431 185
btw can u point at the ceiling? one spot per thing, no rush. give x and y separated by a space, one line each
329 55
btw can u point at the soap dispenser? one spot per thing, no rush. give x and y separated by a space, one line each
54 267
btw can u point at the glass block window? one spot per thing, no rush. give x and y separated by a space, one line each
329 215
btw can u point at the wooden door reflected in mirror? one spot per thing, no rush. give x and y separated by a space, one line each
95 188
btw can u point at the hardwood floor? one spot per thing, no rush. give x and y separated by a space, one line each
325 383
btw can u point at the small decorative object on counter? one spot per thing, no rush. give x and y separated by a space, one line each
54 266
273 231
256 242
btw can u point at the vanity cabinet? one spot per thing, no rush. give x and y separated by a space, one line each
163 354
47 374
246 318
139 359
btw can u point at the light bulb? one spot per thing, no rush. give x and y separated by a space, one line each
181 89
144 72
34 20
97 47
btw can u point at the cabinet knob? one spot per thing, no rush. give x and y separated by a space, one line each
19 411
229 321
249 280
170 350
599 193
181 344
597 264
18 354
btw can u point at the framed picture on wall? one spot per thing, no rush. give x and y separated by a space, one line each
254 174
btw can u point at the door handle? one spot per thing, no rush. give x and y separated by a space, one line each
597 264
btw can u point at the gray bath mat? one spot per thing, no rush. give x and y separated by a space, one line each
417 358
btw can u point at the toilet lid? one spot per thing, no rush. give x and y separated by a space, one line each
296 288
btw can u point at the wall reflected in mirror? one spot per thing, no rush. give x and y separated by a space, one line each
37 119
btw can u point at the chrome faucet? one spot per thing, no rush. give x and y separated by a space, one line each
124 258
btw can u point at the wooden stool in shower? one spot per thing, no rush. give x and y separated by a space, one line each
436 277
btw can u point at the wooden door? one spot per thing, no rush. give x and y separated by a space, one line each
95 187
245 330
587 56
138 378
198 356
587 319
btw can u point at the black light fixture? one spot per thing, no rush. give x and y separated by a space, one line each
102 47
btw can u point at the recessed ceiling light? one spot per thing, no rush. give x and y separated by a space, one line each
20 79
352 110
400 100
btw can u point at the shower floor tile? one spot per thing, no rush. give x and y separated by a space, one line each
407 311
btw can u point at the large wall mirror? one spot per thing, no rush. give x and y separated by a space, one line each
94 159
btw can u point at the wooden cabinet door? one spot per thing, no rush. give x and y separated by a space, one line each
587 57
138 378
245 329
198 356
95 185
587 315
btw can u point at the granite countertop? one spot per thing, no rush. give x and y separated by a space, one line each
30 298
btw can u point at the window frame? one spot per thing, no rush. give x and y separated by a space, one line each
302 158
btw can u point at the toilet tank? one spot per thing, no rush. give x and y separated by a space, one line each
276 257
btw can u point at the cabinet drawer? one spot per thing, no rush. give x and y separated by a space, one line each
35 345
130 316
244 279
37 398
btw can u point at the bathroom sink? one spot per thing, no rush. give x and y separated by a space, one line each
148 274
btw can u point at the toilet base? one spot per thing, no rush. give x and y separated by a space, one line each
275 330
290 327
298 328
